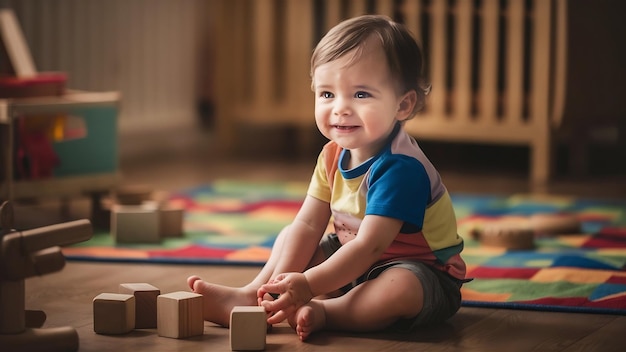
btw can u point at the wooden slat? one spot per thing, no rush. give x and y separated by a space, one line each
489 61
356 8
263 47
438 58
229 72
541 61
332 14
298 50
440 128
514 63
239 50
412 11
560 63
384 7
463 61
541 147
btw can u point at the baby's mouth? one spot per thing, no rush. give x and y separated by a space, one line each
344 128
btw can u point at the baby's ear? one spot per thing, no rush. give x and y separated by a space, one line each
406 106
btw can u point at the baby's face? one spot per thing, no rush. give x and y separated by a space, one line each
356 101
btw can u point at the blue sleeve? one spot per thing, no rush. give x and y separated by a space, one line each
399 188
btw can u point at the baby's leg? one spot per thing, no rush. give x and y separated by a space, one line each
374 305
219 300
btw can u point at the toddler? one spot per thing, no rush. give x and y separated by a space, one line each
393 259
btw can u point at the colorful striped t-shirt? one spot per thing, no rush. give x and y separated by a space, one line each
400 182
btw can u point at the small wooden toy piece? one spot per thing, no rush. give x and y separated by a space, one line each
132 195
145 303
552 224
135 224
140 215
248 328
171 221
509 235
22 255
113 313
179 315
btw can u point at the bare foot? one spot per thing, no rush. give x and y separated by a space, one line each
218 300
308 319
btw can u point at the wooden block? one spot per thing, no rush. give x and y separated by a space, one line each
145 303
179 315
509 235
113 313
135 224
171 221
248 328
553 224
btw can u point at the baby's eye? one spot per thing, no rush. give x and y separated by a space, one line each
362 95
326 95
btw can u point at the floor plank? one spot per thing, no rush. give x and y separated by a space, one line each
607 337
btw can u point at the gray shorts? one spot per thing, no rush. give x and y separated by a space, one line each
442 292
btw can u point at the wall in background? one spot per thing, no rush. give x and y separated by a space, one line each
152 51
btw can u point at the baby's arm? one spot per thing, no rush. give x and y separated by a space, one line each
303 236
375 234
354 258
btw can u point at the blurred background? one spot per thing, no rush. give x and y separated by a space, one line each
529 89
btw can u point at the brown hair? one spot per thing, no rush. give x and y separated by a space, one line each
404 55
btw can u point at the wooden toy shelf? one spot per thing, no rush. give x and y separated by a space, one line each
88 165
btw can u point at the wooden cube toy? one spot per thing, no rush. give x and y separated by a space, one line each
113 313
171 221
135 224
248 328
179 315
145 303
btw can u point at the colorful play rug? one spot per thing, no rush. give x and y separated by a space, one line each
235 223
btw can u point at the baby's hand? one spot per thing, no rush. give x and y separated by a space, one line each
294 292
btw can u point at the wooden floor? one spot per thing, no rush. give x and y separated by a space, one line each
66 296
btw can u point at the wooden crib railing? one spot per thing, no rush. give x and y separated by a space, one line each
497 67
492 68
